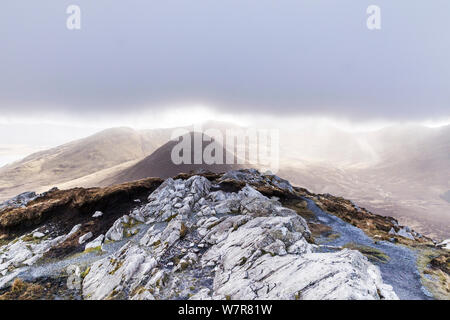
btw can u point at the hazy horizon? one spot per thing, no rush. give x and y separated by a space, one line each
28 138
146 65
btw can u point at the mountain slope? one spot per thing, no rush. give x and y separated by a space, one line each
400 171
85 162
75 159
159 163
408 178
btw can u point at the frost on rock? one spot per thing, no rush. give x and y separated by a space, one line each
203 243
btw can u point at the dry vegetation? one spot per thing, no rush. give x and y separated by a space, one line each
75 206
21 290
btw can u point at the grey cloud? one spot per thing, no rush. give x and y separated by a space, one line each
289 57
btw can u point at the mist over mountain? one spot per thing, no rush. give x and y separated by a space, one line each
401 171
159 163
76 159
91 160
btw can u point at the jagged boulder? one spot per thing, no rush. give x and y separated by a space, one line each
444 244
25 251
204 244
193 238
20 200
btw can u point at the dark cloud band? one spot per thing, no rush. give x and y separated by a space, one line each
279 57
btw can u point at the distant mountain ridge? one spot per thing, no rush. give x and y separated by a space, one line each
76 159
159 163
400 171
87 161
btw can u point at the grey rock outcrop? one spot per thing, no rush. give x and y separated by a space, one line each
194 239
96 243
85 237
20 200
97 214
18 255
203 244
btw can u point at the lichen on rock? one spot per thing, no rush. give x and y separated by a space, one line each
204 243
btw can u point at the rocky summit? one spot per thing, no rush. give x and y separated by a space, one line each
238 235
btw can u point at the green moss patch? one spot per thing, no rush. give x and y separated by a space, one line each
434 279
372 254
29 238
300 206
117 265
95 249
85 272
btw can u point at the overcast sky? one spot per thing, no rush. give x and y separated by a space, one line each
282 57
